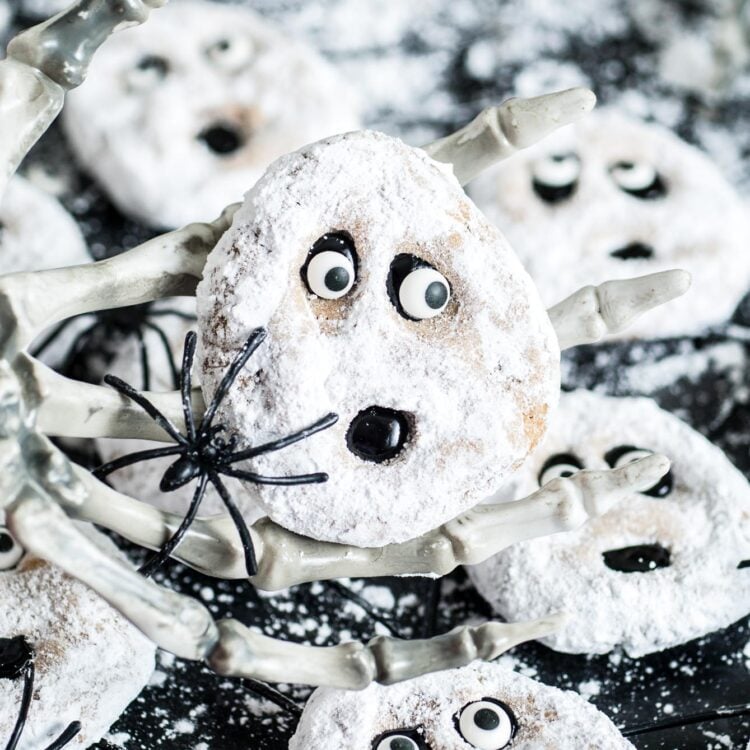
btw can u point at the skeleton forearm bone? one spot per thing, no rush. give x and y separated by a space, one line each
594 311
244 653
499 132
46 61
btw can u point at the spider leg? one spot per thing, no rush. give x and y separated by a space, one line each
132 458
362 603
275 445
51 336
273 695
249 476
147 406
67 735
23 711
255 339
247 541
170 545
167 351
162 311
77 346
145 366
188 353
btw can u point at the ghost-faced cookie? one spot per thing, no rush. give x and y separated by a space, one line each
36 232
178 124
89 662
611 197
661 567
479 707
391 301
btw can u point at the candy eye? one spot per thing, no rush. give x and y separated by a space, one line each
555 177
559 465
330 269
487 724
626 454
231 53
638 179
416 289
400 739
149 72
10 550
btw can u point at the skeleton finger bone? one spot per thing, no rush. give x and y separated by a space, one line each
593 311
242 652
498 132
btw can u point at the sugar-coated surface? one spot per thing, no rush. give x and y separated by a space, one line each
547 718
137 120
90 662
700 224
36 232
478 380
704 523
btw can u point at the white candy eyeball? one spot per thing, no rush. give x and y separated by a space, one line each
148 73
231 53
10 550
557 170
626 454
330 272
559 465
424 293
396 741
638 178
486 724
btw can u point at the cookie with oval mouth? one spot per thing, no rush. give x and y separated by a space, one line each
611 197
659 569
175 126
479 707
391 301
89 662
36 232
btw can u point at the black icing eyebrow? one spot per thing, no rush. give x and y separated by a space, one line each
613 455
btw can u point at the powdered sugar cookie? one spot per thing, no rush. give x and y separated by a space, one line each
660 568
177 126
480 707
89 662
610 198
390 300
36 232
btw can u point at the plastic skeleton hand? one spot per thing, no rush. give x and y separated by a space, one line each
42 490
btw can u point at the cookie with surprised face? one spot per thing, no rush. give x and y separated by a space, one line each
611 197
479 707
89 662
180 116
391 301
661 567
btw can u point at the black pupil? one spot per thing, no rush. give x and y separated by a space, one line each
401 743
6 542
487 719
337 279
223 45
436 295
153 62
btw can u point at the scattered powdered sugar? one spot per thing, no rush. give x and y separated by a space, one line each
90 662
703 523
477 382
545 717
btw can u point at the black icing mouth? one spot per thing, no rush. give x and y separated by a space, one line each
222 138
377 434
640 558
633 251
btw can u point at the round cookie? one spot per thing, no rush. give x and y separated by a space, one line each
177 126
90 662
479 707
611 198
391 301
36 232
141 480
659 569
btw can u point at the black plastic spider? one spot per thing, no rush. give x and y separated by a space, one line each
16 660
204 455
108 329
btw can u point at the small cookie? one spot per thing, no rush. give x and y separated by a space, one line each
90 662
612 198
177 126
36 232
391 301
661 567
479 707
